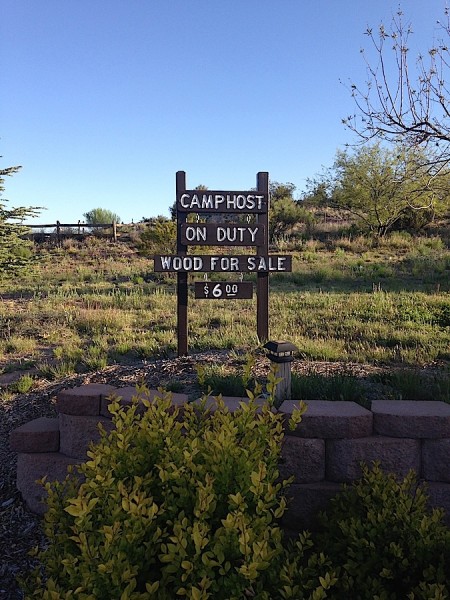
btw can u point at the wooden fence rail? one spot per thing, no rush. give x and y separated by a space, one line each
59 229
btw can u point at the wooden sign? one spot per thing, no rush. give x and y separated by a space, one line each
208 201
225 234
255 234
222 264
223 290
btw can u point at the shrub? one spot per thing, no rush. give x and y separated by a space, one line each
380 538
22 385
159 237
173 504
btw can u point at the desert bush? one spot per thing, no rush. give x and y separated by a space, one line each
173 503
23 385
383 542
159 237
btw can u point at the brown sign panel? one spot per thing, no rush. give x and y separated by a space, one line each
223 290
222 264
209 201
224 234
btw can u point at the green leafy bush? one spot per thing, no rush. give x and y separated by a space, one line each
381 540
173 503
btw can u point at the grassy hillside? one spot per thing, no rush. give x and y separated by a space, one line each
348 299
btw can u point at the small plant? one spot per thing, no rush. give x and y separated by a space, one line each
218 379
95 358
22 385
414 385
383 542
340 386
58 370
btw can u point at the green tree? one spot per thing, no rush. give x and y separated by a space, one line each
159 236
284 212
387 188
15 252
101 216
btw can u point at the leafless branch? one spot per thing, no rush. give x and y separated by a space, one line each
404 100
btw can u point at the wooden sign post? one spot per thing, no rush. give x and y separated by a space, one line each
239 233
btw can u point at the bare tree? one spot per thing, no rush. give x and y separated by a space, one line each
406 100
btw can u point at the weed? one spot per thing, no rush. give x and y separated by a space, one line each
61 369
22 385
6 395
340 386
95 358
407 384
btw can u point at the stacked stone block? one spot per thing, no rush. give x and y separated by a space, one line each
324 451
46 447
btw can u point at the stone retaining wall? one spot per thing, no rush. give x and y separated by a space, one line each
324 451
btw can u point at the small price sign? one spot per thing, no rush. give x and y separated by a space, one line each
223 290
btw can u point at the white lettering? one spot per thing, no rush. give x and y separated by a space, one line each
234 264
198 263
253 233
219 199
262 264
195 233
165 262
183 263
250 201
259 200
182 201
251 263
214 261
221 234
231 201
241 202
226 201
207 201
177 263
195 202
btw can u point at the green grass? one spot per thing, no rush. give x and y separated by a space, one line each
349 299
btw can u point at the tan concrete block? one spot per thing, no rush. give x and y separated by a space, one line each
76 433
305 501
411 419
436 460
83 400
330 420
127 393
39 435
34 466
304 458
398 456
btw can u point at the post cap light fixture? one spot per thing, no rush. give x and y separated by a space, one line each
280 352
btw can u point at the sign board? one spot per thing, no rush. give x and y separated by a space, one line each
208 201
223 290
222 264
225 234
215 233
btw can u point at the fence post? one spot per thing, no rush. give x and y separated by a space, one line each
58 232
114 228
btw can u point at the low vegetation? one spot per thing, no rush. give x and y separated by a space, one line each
188 504
349 299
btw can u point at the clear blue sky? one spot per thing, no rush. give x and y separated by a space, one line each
102 101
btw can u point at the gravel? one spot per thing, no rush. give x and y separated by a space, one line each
20 530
